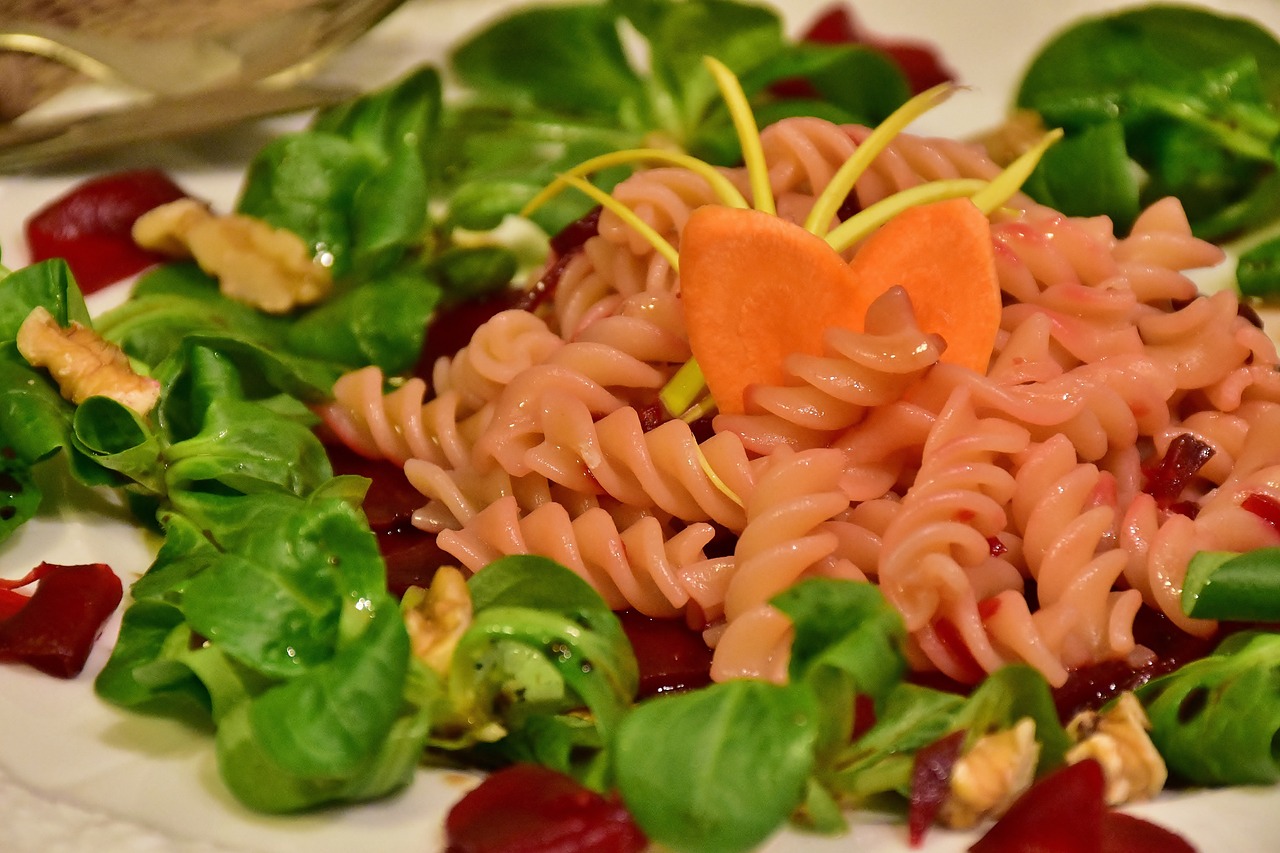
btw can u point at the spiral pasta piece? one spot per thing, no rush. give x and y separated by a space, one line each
828 394
955 506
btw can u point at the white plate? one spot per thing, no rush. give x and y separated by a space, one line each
77 775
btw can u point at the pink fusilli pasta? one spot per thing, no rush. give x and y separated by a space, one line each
1008 515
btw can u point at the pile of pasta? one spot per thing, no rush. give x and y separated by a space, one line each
1003 514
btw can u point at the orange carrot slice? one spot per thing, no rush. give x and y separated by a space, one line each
941 254
756 288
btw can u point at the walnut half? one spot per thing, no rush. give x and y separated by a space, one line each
438 617
993 773
1119 741
268 268
83 363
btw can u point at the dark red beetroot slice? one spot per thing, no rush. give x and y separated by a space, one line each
527 808
1124 833
91 226
671 656
391 500
918 61
412 557
931 783
54 630
1065 812
1062 813
1264 507
1167 477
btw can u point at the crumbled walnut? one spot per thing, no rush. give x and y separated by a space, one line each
165 228
993 773
255 263
1013 138
1119 741
438 618
84 364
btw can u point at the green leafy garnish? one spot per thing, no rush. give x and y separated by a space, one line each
1233 586
1189 97
1216 720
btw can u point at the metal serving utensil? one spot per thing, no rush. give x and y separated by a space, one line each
31 145
275 51
193 84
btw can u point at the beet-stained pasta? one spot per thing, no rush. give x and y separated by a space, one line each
1007 515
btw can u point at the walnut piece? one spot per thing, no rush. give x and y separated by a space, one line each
993 773
1017 135
269 268
1119 741
439 618
84 364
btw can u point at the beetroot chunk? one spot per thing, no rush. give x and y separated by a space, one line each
55 629
931 783
527 808
1066 812
91 227
1167 478
919 62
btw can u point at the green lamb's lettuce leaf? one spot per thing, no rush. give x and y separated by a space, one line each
269 605
1258 270
1216 720
1089 171
146 670
304 666
246 448
355 185
582 70
542 641
1234 586
880 762
340 731
48 284
1197 94
380 323
534 113
848 627
174 301
119 439
718 769
35 421
20 496
848 640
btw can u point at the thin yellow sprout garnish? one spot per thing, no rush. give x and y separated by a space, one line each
659 243
744 122
720 485
1008 182
865 221
700 409
683 389
841 183
720 185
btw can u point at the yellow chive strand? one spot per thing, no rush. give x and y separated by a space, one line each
744 122
720 185
699 410
865 221
720 485
682 389
1008 182
841 184
627 215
